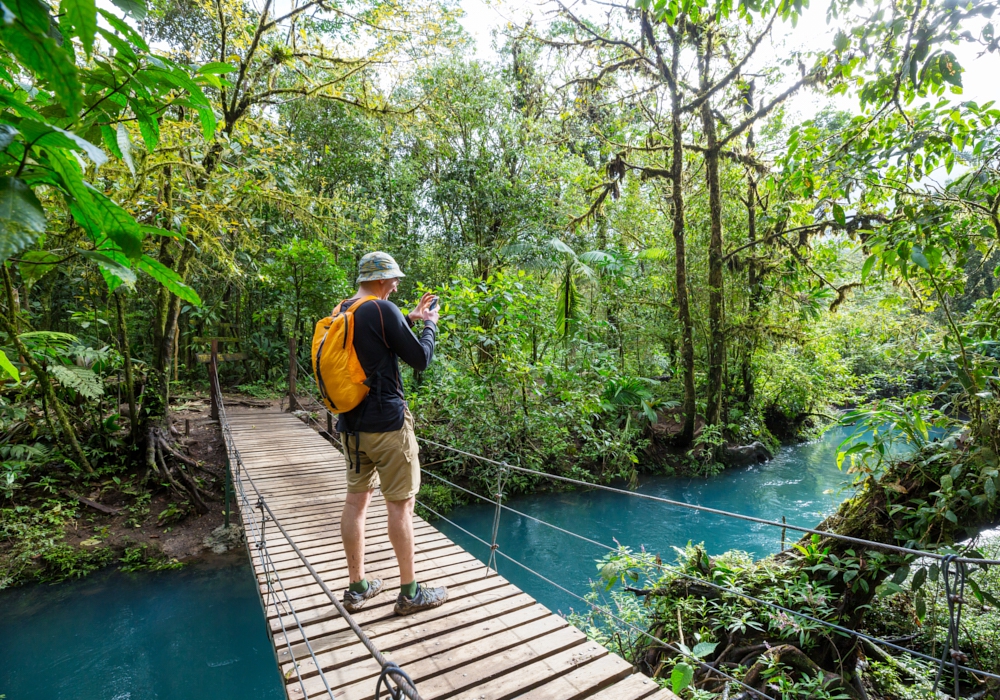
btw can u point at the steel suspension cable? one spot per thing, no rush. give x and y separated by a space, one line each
601 609
736 592
267 564
715 511
909 551
404 684
954 607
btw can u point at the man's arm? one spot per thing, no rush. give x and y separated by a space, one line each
414 351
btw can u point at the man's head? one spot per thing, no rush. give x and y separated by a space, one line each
378 274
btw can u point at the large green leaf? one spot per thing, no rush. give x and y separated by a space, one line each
208 122
169 279
125 146
19 108
118 269
82 14
118 225
123 49
148 127
216 68
102 219
33 14
35 264
50 137
136 8
125 30
179 78
110 137
681 676
21 217
51 65
109 251
7 366
72 182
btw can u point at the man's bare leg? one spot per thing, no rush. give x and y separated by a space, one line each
352 532
401 537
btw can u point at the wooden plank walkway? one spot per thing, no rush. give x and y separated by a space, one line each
490 641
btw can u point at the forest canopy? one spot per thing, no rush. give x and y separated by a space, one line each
648 257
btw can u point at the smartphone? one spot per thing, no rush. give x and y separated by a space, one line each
433 305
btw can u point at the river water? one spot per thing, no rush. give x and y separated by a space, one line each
199 634
801 483
193 634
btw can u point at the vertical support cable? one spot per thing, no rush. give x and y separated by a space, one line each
953 573
502 473
229 487
292 372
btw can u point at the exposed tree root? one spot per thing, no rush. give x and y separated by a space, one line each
794 658
181 483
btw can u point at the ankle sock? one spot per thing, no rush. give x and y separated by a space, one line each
409 589
359 587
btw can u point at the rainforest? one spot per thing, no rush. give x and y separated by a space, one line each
670 239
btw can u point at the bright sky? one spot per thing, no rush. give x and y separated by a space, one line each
980 78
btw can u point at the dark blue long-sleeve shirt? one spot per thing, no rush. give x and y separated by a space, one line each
382 337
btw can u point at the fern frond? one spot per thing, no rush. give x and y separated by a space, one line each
80 379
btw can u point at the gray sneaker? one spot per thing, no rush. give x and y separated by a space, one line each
425 599
355 601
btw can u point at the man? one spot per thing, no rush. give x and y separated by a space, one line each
378 438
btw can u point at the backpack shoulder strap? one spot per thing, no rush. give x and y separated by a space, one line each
354 307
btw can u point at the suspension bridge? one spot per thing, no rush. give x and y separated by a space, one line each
491 641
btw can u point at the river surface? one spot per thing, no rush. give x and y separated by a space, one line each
199 633
801 483
193 634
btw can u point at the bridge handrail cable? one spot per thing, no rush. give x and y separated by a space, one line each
405 686
949 560
899 549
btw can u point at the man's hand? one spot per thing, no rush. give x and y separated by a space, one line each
424 312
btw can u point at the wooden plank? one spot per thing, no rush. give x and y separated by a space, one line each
203 358
490 640
473 669
584 681
635 687
210 338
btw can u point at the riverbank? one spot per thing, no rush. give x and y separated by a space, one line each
65 528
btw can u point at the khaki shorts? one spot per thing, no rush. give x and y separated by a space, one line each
390 459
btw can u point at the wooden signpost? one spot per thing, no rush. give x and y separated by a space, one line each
213 358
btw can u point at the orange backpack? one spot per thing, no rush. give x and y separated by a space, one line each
339 375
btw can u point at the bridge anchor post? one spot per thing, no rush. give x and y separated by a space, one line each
213 379
229 487
293 404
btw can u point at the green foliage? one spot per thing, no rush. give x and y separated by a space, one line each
141 558
439 497
306 282
499 356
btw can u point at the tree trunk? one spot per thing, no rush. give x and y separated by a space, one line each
127 357
754 272
167 344
754 285
50 394
689 408
716 289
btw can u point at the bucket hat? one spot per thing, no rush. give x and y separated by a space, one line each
378 266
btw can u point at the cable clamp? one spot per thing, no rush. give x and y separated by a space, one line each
392 673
